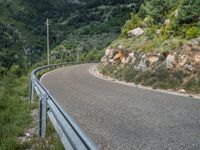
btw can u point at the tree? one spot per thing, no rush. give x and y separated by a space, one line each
189 11
156 9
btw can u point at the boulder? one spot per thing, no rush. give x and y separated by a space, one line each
153 59
142 66
112 53
170 61
183 59
135 32
182 91
108 51
197 58
118 56
188 67
132 57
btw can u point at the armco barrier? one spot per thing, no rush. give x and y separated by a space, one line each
70 133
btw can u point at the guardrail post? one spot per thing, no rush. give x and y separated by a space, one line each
31 92
42 115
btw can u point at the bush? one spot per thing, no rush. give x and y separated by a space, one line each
162 73
156 9
192 32
3 71
15 70
128 74
189 11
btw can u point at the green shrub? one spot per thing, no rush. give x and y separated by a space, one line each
189 11
3 71
162 73
192 32
156 9
108 70
128 73
15 70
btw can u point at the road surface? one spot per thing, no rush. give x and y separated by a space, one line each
121 117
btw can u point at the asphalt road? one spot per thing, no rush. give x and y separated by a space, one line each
117 116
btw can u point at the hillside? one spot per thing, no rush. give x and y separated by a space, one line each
159 47
86 24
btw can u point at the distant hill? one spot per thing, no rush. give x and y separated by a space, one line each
87 24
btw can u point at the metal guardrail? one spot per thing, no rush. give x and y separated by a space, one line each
70 133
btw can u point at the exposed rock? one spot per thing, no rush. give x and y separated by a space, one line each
195 41
170 61
197 58
167 22
153 59
111 61
188 67
125 60
158 31
121 47
142 66
104 60
183 59
132 57
118 56
112 53
107 52
135 32
182 91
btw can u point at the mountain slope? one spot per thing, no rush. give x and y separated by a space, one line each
159 46
79 22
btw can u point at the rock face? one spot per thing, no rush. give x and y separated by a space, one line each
153 58
170 61
135 32
186 57
142 66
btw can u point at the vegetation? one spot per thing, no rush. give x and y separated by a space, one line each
166 25
81 31
161 77
15 109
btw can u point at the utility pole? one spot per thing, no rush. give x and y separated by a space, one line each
48 41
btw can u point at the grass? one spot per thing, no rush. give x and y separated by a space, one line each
14 111
160 77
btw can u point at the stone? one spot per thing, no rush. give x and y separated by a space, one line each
104 59
121 47
142 66
27 134
107 52
132 57
188 67
183 59
182 91
112 53
153 59
170 61
158 31
135 32
197 58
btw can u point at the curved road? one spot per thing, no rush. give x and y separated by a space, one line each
117 116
